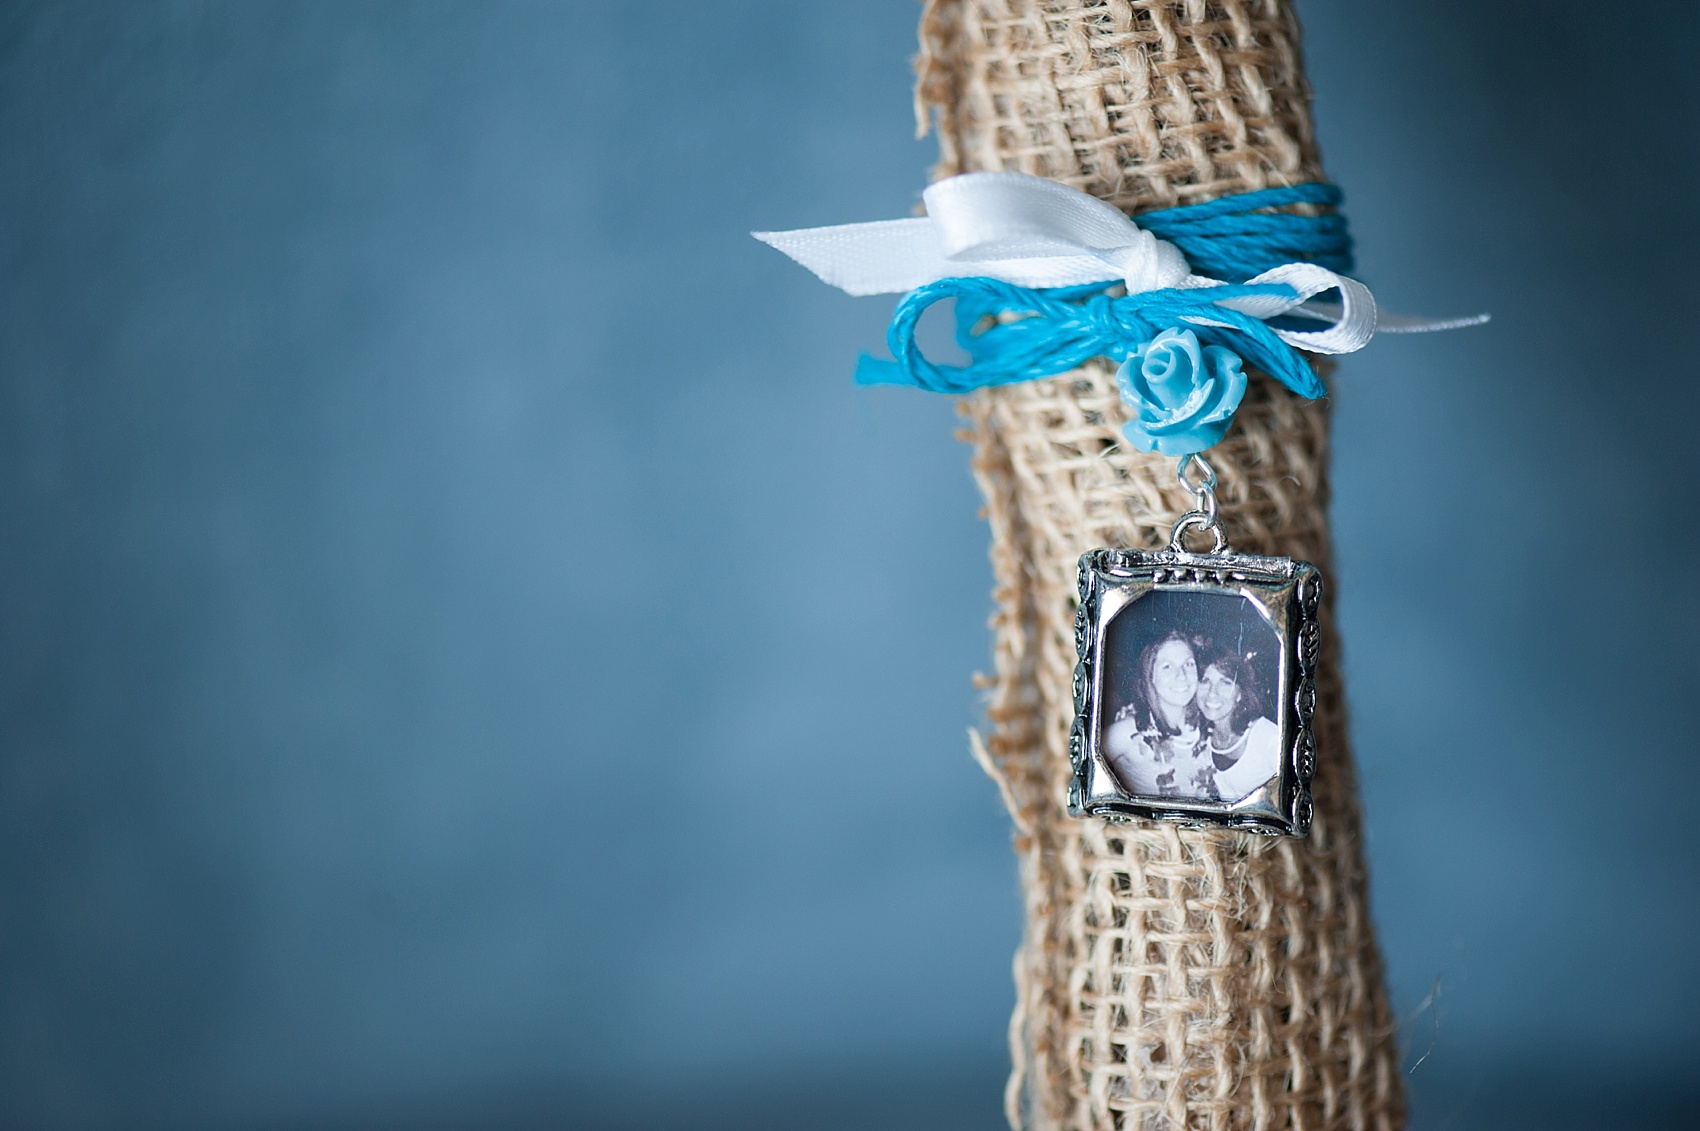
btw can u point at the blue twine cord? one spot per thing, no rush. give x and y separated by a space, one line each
1057 334
1228 239
1060 328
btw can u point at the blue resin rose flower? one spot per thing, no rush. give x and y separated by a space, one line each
1183 395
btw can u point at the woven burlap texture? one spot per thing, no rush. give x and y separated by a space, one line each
1168 977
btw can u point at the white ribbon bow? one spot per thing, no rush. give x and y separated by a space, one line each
1038 233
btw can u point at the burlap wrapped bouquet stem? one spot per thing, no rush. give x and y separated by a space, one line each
1168 977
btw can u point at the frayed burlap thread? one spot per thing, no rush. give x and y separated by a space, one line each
1168 977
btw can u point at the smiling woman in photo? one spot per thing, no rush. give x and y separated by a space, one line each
1242 744
1155 744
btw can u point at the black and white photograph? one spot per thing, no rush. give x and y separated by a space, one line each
1191 694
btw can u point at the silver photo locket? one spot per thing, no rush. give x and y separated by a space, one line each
1195 690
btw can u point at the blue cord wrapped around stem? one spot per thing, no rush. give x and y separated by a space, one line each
1228 239
1014 333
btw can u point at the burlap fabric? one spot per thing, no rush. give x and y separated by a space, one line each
1168 977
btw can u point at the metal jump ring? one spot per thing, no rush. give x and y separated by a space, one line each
1205 489
1204 522
1205 485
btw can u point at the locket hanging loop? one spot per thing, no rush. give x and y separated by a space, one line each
1201 521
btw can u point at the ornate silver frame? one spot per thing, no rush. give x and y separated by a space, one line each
1288 593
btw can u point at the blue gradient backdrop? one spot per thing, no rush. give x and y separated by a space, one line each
472 659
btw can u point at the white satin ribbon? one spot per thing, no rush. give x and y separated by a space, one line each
1038 233
1010 226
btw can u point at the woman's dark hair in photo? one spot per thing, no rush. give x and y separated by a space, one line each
1148 689
1236 668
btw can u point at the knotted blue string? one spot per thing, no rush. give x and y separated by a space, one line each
1057 329
1057 333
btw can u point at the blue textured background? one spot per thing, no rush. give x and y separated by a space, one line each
472 659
